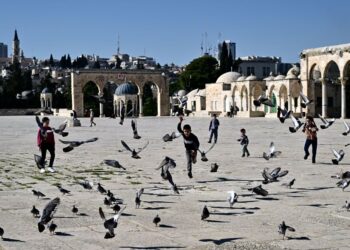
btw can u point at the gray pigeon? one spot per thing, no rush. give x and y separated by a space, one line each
296 124
134 153
156 220
113 163
35 212
48 213
339 155
259 190
203 153
272 152
344 183
38 193
205 213
273 175
138 197
74 144
326 123
262 99
282 229
165 173
111 223
134 129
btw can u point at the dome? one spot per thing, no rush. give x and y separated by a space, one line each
270 77
201 92
293 72
181 93
192 93
280 77
126 88
228 77
251 78
45 91
241 78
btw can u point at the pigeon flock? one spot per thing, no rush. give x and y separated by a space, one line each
167 169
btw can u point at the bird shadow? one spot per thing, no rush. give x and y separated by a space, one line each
299 238
155 208
267 198
220 241
63 234
65 217
83 214
45 199
151 202
153 248
315 188
216 221
247 201
223 213
212 200
12 240
127 214
318 205
166 226
325 163
227 207
222 179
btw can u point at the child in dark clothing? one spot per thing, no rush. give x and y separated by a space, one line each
191 144
244 143
46 141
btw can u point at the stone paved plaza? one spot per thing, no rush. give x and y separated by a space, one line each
313 206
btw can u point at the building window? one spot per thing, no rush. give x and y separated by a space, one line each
226 86
250 71
193 105
266 71
319 102
330 102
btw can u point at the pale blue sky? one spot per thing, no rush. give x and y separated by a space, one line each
171 31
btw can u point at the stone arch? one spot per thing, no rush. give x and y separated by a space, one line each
315 73
150 98
90 88
236 97
283 96
332 72
346 82
245 98
332 88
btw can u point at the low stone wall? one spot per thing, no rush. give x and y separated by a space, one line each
11 112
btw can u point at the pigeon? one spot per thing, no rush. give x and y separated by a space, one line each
214 167
347 128
112 199
25 95
48 213
113 163
35 212
297 124
138 197
326 123
289 184
100 98
344 183
38 193
134 153
205 213
109 193
263 100
116 208
165 174
339 155
285 113
347 205
62 190
86 184
52 227
61 128
282 228
171 137
37 159
74 144
111 223
101 189
345 175
203 153
273 153
107 202
156 220
232 199
74 210
273 175
2 233
259 190
134 129
304 100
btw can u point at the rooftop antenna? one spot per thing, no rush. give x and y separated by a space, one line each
118 47
202 45
205 42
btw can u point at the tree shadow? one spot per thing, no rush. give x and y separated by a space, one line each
221 241
223 179
223 213
153 247
318 205
12 240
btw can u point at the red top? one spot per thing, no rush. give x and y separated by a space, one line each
46 136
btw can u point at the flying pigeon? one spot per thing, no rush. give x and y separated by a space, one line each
263 100
86 184
273 175
138 197
52 227
61 129
347 128
38 193
347 205
101 189
297 124
205 213
282 228
326 123
232 199
74 144
285 113
339 155
304 100
38 160
203 153
111 223
48 213
113 163
342 175
214 167
134 153
259 190
273 153
75 210
46 111
35 212
156 220
165 174
344 183
289 184
134 129
62 190
171 137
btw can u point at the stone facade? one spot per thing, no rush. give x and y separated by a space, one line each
138 77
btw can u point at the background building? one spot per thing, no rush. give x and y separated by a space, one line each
231 49
3 50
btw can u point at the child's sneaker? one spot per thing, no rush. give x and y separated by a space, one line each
51 169
243 155
190 175
42 170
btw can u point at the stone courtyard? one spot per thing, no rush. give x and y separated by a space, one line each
313 206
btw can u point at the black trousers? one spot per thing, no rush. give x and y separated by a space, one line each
189 160
51 149
215 133
309 142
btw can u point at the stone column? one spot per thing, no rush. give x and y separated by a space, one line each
159 104
101 107
324 98
343 98
140 103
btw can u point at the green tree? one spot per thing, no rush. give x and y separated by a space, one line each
51 61
200 71
69 62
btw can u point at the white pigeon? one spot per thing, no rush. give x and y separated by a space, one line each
347 128
232 199
305 101
344 183
339 155
296 122
273 153
326 123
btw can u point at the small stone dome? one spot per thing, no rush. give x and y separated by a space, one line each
181 93
126 88
241 78
280 77
270 77
45 91
228 77
251 78
192 93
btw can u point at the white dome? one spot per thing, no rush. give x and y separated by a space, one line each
251 78
280 77
228 77
181 93
192 93
270 77
241 78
